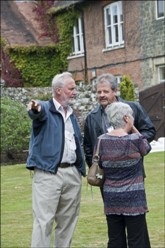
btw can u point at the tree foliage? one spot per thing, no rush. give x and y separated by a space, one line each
127 89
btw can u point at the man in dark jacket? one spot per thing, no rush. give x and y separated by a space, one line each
56 156
96 122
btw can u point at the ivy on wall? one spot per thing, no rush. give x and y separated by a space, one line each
65 23
37 64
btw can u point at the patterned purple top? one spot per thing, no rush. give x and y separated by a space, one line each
122 161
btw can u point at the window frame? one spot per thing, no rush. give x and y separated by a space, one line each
156 10
159 78
114 30
78 39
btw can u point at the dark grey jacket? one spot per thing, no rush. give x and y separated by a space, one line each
93 127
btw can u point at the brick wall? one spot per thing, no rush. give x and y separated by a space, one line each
119 61
144 46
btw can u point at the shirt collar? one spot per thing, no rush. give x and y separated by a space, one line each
59 107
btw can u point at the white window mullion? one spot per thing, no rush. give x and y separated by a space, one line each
112 32
74 39
81 36
119 24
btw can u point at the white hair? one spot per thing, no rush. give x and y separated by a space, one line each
59 80
115 113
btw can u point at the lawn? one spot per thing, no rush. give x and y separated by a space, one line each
91 230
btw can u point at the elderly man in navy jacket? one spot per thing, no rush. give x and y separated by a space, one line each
55 155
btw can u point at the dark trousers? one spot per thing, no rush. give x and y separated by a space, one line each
136 227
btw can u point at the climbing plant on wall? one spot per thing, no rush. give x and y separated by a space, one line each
37 65
58 25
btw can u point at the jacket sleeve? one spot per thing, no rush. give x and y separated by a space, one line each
35 115
142 121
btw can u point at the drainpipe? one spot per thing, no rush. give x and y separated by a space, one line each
85 52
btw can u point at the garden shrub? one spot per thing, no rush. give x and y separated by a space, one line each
127 89
15 127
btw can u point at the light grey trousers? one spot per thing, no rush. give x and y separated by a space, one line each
55 198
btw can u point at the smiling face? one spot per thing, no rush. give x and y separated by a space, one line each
105 94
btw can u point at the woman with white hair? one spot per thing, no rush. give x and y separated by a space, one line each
121 157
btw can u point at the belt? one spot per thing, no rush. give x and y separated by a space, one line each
65 165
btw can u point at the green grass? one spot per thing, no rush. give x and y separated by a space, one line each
91 230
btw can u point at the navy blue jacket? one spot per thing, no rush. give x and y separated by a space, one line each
47 139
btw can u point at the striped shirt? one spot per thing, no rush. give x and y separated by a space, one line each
122 161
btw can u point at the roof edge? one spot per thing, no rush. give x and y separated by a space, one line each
62 6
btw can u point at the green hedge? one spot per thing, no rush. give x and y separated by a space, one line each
15 127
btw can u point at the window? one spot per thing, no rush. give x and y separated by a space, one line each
161 73
78 42
118 79
160 9
113 18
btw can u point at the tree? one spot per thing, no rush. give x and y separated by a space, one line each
127 89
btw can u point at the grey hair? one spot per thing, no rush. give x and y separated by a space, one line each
107 78
59 80
115 113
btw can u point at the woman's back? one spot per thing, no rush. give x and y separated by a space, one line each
122 161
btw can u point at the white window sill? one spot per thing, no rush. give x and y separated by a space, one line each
75 56
160 18
112 48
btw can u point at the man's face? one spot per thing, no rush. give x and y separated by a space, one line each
68 92
105 95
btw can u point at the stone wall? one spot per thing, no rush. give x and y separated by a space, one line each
152 43
85 101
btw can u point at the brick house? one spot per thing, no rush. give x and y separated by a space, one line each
120 37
